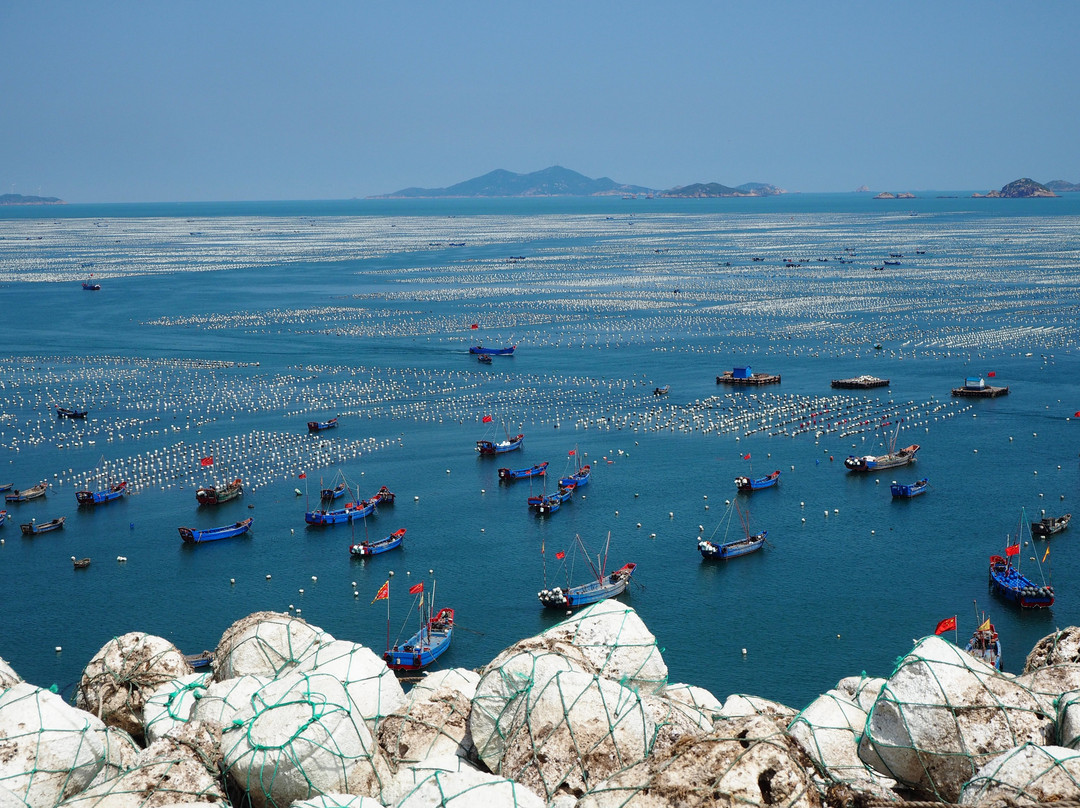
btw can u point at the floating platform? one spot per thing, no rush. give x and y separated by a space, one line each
729 377
860 383
981 392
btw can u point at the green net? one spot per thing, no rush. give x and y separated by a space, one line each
117 681
1028 774
1061 646
221 701
942 714
338 801
434 723
121 753
264 644
1048 684
171 704
743 762
1068 720
468 789
48 749
740 705
156 783
298 738
863 690
372 687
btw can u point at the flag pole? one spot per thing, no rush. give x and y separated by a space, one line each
388 610
956 630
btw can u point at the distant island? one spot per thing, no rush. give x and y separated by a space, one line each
1023 188
19 199
1063 187
559 181
901 195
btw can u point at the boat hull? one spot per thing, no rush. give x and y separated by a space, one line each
424 647
885 461
194 536
319 426
391 542
733 549
908 490
746 484
480 349
1012 586
99 497
539 470
34 528
487 447
575 597
27 494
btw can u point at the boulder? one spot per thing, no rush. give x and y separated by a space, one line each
462 680
942 715
48 749
8 799
433 726
117 681
675 720
1053 649
221 701
298 738
171 704
1025 775
739 705
1068 720
863 690
410 775
828 732
746 761
468 789
121 753
694 696
338 801
1049 683
8 677
372 686
264 644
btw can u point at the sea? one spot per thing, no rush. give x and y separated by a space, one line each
221 329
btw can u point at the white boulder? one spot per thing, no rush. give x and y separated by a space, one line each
265 644
8 677
337 801
372 686
739 705
468 789
221 701
1053 649
435 726
1050 682
462 680
1026 775
171 704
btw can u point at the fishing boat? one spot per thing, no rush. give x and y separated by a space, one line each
370 548
330 494
384 496
891 459
319 426
908 490
1049 525
747 484
3 517
215 495
580 475
427 644
552 502
334 516
203 660
603 587
662 391
710 548
80 563
480 349
193 535
985 645
5 486
516 474
1011 584
27 494
487 447
32 528
90 285
68 412
484 359
114 491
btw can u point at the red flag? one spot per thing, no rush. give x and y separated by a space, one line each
991 374
303 475
475 325
571 453
486 419
416 589
383 593
746 457
207 461
560 554
948 624
1014 550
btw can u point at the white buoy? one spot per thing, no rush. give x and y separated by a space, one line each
268 577
232 580
744 652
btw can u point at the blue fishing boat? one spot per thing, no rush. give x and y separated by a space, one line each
319 426
1007 581
985 645
90 285
366 548
5 486
330 494
580 476
552 502
32 528
114 491
710 548
747 484
484 358
334 516
193 535
427 644
480 349
69 412
487 447
908 490
27 494
3 517
662 391
516 474
605 586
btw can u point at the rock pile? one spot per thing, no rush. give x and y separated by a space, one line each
580 716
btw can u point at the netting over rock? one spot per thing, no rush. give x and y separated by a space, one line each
338 801
8 799
462 680
1028 774
575 730
48 749
1061 646
121 753
675 720
738 705
221 701
468 789
372 686
697 697
1068 720
434 726
299 738
410 775
744 762
264 644
117 681
171 704
8 677
1050 682
943 714
828 731
863 690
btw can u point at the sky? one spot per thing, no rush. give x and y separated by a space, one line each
217 101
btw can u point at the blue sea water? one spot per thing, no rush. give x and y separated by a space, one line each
223 328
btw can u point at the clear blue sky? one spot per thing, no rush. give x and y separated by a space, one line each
192 101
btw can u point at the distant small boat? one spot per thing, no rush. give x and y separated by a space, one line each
552 502
890 460
193 535
33 528
114 491
487 447
908 490
68 412
27 494
516 474
215 495
203 660
662 391
80 563
319 426
5 486
747 484
578 478
330 494
335 516
484 358
427 644
480 349
91 286
1048 525
738 547
985 645
605 586
370 548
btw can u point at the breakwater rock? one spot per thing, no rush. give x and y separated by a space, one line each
580 716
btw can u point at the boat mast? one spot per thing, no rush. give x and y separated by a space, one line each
607 545
588 558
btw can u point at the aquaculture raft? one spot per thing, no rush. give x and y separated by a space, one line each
977 388
744 376
860 383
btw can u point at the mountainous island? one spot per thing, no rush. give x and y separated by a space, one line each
1063 187
1023 188
19 199
559 181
